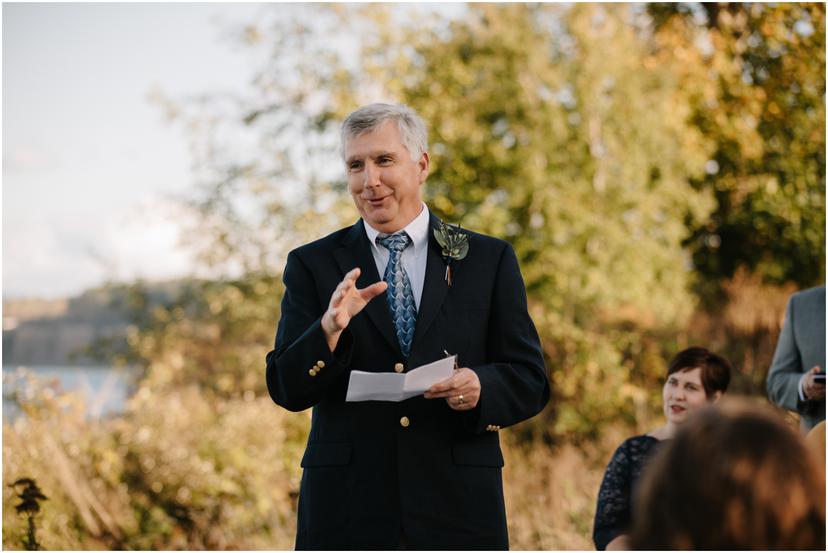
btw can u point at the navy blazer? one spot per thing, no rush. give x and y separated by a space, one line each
381 474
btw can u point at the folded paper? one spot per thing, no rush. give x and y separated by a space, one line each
370 386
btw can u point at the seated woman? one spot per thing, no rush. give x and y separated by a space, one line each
735 477
696 378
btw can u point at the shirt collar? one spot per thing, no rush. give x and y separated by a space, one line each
417 229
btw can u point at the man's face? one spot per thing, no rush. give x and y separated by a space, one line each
383 179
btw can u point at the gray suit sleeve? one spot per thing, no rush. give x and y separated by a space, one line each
786 368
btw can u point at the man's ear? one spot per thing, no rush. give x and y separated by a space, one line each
423 166
716 396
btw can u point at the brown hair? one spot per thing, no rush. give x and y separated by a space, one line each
734 477
715 369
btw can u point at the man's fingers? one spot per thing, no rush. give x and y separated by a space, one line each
460 382
370 292
336 298
339 309
349 283
345 288
453 394
470 399
442 386
465 406
446 393
459 379
452 391
342 288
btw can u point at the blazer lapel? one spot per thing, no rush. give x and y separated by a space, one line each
435 286
356 252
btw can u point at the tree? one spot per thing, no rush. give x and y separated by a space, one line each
575 132
556 130
756 73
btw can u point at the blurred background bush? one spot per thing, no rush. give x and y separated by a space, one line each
659 169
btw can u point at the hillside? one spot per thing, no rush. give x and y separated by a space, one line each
58 332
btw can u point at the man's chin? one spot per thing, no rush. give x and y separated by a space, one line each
378 218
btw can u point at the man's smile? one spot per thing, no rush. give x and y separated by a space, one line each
377 201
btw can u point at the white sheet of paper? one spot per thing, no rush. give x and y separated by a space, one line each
368 386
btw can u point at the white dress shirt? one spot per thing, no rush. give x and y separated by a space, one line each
413 257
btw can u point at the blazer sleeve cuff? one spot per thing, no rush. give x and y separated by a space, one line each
503 403
301 375
340 357
484 416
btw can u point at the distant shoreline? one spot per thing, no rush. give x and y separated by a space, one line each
105 389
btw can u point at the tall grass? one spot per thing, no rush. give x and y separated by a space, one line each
181 470
187 468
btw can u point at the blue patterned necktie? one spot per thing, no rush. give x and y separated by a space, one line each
400 296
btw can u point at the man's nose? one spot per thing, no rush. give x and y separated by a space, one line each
370 175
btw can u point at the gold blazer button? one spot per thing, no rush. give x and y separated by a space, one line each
404 422
398 367
320 364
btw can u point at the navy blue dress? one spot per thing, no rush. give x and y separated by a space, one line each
613 513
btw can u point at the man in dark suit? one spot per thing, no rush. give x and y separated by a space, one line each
799 356
424 473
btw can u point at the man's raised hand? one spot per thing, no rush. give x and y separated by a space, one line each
346 301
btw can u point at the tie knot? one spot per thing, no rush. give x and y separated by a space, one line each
394 242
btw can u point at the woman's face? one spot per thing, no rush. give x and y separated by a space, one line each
683 393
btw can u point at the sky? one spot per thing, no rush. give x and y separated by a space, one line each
90 165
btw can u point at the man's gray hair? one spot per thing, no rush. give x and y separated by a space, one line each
368 118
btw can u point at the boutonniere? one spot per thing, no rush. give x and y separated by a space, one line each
454 243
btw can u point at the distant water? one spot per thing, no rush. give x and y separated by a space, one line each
105 389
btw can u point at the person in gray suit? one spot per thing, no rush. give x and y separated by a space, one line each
799 356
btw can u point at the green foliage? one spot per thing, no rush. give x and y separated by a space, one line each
755 74
585 135
570 146
213 334
553 128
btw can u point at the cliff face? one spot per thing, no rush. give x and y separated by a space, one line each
58 332
54 342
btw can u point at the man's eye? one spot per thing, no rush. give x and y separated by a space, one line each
384 160
354 166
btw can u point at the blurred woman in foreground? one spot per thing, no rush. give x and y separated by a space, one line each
734 477
696 378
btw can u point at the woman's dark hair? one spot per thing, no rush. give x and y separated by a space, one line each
715 369
734 477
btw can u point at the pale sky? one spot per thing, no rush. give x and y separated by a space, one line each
90 166
89 163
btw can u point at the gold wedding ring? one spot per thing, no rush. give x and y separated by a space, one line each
460 399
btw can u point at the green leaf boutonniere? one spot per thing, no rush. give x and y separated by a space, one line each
454 243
